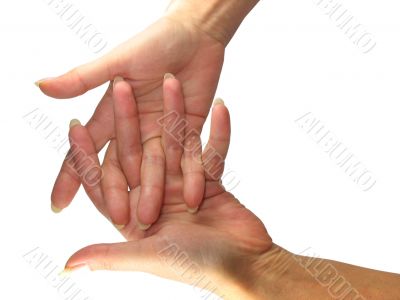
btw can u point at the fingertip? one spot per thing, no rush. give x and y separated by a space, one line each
193 210
119 217
41 83
71 263
118 210
80 79
64 190
220 121
123 97
145 217
220 112
119 227
171 86
218 101
68 270
168 76
220 107
143 227
55 209
61 87
74 122
117 80
193 192
148 208
141 215
120 85
82 257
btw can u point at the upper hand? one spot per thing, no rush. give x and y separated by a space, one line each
166 46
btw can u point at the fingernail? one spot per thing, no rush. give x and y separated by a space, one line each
143 227
192 210
168 75
39 82
68 270
74 122
218 101
55 209
117 79
119 227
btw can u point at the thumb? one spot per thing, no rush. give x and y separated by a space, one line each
157 256
140 255
81 79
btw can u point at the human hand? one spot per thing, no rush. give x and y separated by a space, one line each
168 45
223 241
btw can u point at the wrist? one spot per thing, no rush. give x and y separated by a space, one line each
260 277
218 18
282 275
275 274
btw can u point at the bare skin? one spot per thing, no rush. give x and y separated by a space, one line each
189 41
221 232
166 46
225 244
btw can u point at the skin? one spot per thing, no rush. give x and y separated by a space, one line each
188 42
231 248
176 48
224 244
224 228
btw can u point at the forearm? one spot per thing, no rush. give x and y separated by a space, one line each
219 18
283 275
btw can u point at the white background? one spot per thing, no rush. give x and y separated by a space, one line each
287 59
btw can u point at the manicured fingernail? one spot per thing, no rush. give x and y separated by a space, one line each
119 227
218 101
168 75
39 82
74 122
193 210
117 79
143 227
55 209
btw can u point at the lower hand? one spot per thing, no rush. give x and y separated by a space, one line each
223 241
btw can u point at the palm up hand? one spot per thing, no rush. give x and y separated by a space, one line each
220 238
